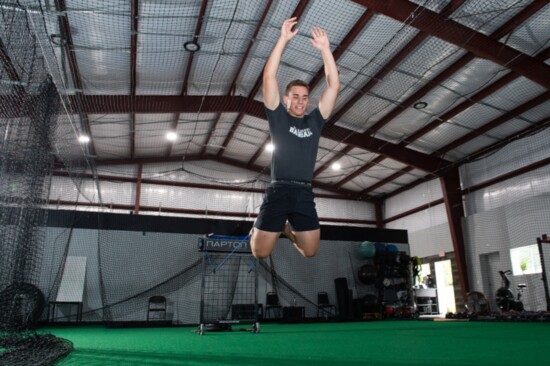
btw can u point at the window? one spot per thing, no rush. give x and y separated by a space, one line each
525 260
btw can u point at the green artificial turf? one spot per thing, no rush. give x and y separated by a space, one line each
357 343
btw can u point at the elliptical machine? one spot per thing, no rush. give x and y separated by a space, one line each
505 298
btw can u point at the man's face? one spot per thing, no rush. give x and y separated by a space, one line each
296 101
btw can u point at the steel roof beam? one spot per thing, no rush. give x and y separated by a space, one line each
462 36
65 29
172 104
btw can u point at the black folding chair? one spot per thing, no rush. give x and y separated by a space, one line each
156 309
324 307
272 305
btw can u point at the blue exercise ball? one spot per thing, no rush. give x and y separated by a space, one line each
380 247
366 250
392 248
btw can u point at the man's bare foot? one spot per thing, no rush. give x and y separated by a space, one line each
288 233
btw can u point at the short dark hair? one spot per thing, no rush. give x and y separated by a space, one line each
296 82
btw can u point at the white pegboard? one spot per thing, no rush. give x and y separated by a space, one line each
71 288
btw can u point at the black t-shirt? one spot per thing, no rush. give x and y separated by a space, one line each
296 143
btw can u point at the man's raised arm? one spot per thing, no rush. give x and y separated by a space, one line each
270 86
328 98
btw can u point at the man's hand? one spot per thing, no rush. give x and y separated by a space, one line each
320 39
286 30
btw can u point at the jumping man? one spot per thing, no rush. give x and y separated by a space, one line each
295 136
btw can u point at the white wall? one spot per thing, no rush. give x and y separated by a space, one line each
166 197
509 214
431 241
428 229
497 231
417 196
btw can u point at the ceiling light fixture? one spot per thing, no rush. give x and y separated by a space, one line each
270 147
83 139
191 46
171 136
420 105
336 166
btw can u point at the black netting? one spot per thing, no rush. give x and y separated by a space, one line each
29 108
30 348
21 305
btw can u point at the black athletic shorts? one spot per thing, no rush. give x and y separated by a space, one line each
288 201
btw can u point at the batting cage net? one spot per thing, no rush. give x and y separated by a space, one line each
28 117
126 268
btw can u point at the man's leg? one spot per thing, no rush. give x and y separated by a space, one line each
263 242
306 242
